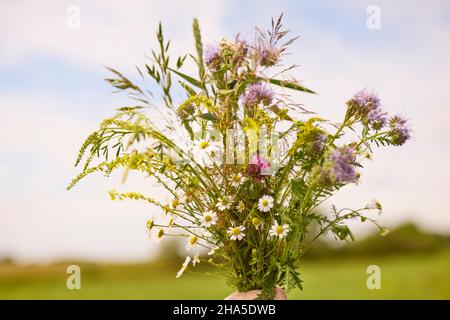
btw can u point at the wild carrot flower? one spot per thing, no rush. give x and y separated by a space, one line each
184 266
279 231
265 203
257 93
399 130
236 233
209 218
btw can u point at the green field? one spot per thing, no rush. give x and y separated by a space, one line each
424 276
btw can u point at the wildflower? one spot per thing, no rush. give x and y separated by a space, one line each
257 223
209 218
319 143
375 205
224 203
267 54
237 180
399 130
241 206
192 241
367 106
377 119
211 55
258 168
279 231
236 233
176 204
196 259
150 224
343 161
205 150
257 93
171 222
363 102
184 266
265 203
158 235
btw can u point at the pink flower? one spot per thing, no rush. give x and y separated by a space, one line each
258 168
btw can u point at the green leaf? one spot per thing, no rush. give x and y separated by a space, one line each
189 79
288 84
208 116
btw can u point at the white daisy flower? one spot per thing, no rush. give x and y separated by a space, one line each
205 151
241 206
158 234
209 218
236 233
237 180
192 241
196 259
279 231
265 203
224 203
184 266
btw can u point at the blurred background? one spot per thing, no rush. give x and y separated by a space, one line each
52 58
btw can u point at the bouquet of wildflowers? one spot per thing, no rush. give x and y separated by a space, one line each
246 167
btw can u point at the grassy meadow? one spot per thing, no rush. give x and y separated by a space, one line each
404 276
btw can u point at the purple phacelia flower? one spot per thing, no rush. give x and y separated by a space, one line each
319 143
399 130
268 55
367 106
365 102
257 93
377 119
211 55
258 168
343 164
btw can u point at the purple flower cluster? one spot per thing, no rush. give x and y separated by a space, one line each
343 164
257 93
319 143
258 168
367 106
268 55
399 130
211 55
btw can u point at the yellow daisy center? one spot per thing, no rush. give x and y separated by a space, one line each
279 230
175 203
193 240
208 218
265 202
204 144
237 179
236 231
160 233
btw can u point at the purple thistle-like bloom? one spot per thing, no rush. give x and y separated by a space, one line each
258 168
343 160
399 130
269 55
319 142
377 119
211 55
367 106
256 93
366 101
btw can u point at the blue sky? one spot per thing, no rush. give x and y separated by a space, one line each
52 94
